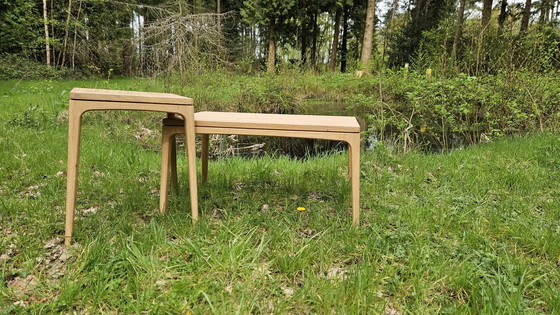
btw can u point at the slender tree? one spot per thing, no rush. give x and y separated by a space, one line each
272 14
486 13
314 34
367 43
546 6
53 34
389 18
66 29
526 16
219 24
336 31
344 47
271 60
76 36
458 30
47 41
503 15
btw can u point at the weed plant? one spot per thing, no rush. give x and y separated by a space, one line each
470 231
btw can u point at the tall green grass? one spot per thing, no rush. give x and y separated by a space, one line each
470 231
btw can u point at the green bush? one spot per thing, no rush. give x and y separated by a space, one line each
17 67
445 113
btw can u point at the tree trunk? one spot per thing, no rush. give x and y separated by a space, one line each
303 44
503 15
332 61
458 31
52 33
390 17
314 42
545 11
418 10
367 43
271 49
46 22
75 36
526 16
65 42
219 26
344 48
486 13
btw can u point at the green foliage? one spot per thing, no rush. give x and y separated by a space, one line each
425 17
446 113
496 50
32 118
18 67
20 27
267 96
264 12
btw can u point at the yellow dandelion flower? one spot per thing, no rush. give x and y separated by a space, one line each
300 209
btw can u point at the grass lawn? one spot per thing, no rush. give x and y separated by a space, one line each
471 231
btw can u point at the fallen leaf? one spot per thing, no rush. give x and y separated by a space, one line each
261 270
391 311
20 303
53 242
289 292
228 288
5 258
307 232
337 273
90 210
314 196
22 286
65 256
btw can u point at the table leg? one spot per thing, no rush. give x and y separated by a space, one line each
354 171
74 122
173 163
164 175
190 145
205 143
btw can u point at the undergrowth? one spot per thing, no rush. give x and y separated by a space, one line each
473 230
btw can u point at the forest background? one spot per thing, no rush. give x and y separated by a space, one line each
439 72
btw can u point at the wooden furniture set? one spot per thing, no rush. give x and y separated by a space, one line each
337 128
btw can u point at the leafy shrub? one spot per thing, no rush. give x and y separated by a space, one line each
267 97
441 114
32 117
17 67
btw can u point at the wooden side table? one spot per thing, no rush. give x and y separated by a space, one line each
338 128
83 100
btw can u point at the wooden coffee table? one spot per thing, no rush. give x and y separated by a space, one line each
339 128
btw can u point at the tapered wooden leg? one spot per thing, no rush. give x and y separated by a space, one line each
164 175
191 157
173 163
205 143
354 171
74 121
349 163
